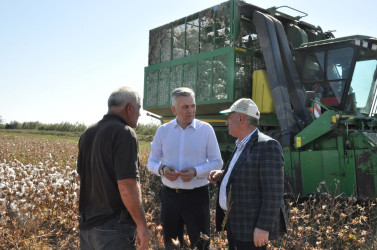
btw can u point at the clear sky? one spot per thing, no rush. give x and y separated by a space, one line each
61 59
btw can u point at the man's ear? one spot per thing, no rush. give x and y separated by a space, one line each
129 108
241 117
173 109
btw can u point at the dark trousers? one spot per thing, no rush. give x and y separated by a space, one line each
112 234
241 245
190 208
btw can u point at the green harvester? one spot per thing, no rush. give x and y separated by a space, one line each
316 93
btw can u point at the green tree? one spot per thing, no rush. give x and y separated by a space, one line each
2 126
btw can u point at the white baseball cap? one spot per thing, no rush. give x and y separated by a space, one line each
244 106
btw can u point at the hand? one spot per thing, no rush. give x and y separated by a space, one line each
260 237
143 238
215 176
187 174
171 173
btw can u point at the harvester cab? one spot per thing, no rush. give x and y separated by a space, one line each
342 74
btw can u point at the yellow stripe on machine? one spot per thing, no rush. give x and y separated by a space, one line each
240 49
298 142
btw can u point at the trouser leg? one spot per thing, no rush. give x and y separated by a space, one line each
171 219
196 215
241 245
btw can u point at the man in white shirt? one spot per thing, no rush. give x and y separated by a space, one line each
184 152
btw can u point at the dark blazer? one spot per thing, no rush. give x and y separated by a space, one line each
256 188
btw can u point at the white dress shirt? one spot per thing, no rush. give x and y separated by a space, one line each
240 147
195 146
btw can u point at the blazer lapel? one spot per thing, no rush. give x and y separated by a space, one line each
244 154
227 164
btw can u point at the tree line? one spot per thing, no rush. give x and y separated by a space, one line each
143 129
63 126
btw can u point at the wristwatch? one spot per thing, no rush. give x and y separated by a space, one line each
161 170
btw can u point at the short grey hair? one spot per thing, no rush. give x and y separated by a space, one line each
122 97
181 92
251 121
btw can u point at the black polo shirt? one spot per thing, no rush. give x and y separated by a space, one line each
108 151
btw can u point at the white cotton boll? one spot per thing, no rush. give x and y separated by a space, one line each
11 171
13 206
3 203
52 177
22 201
67 167
74 173
60 181
66 183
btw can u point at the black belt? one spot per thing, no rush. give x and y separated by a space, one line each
181 191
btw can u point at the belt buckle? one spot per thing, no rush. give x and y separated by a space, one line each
177 190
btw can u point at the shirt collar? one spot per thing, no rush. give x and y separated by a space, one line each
114 117
241 144
192 124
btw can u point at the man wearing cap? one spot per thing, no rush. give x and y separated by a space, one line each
251 184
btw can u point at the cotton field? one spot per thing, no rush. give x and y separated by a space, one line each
39 193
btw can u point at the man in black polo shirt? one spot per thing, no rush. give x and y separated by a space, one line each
110 205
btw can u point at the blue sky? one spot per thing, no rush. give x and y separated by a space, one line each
60 59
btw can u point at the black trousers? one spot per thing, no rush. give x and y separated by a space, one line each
190 208
241 245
